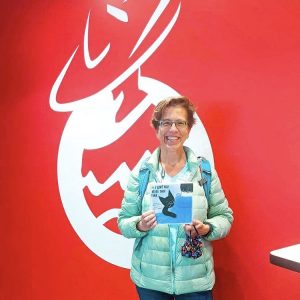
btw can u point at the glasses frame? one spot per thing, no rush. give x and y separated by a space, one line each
176 122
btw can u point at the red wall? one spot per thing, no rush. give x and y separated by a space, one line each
237 60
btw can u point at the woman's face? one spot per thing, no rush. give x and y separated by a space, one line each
172 137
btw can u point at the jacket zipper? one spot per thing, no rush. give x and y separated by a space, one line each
173 258
172 265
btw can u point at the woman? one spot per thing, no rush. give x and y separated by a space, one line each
159 269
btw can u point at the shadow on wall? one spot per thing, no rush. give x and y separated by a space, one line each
220 120
228 285
224 282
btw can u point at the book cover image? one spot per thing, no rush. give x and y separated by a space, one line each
172 203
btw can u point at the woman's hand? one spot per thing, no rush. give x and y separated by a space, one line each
202 228
147 222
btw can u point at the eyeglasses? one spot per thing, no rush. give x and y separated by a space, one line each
180 124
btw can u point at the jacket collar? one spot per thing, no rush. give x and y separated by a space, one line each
192 162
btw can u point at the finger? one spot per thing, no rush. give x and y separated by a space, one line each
147 213
149 220
189 227
196 231
196 222
153 225
152 217
150 223
185 228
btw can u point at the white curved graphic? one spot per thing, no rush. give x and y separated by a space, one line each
159 10
92 125
92 63
118 13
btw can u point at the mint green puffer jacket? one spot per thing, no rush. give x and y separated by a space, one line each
152 259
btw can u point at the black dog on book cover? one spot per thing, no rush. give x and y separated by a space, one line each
168 202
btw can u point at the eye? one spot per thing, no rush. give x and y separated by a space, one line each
180 123
166 123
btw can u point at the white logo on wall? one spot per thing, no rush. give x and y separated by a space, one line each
84 130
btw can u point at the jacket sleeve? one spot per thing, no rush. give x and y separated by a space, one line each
131 209
220 215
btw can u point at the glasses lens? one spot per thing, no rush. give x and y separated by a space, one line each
169 123
166 123
180 123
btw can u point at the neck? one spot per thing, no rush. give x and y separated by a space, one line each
172 161
172 157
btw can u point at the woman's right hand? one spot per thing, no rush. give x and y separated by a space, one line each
147 222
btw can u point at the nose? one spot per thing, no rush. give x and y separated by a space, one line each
173 126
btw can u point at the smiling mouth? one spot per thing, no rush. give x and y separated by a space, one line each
172 139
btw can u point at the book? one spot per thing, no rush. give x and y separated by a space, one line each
172 202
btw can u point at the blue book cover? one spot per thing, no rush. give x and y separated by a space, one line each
172 202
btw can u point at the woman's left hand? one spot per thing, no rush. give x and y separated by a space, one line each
202 228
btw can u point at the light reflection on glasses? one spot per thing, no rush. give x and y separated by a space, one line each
180 124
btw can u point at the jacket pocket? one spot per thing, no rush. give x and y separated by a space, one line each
137 244
138 253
